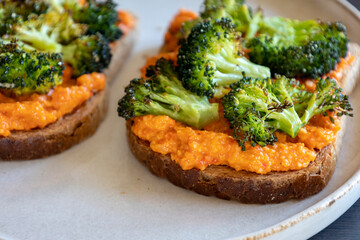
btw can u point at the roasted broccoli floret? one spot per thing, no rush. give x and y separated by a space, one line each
163 94
298 48
12 12
210 59
100 17
49 31
87 54
257 108
240 14
25 72
54 32
326 97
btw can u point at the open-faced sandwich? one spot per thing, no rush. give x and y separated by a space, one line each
242 106
56 57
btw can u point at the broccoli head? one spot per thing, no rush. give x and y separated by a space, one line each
100 17
12 12
210 59
49 31
87 54
326 97
313 47
241 15
163 94
25 72
257 108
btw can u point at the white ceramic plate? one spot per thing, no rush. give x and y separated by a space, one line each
97 190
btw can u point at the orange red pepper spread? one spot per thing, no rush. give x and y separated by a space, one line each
39 110
192 148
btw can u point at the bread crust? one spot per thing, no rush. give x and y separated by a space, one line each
246 187
59 136
120 52
352 72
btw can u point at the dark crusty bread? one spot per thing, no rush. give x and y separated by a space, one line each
247 187
120 52
58 136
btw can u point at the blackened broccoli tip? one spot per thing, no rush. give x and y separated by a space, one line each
314 48
217 9
88 54
14 12
26 72
327 96
210 58
163 94
257 108
100 17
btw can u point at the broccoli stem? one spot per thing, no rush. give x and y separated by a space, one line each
287 121
230 68
188 109
39 39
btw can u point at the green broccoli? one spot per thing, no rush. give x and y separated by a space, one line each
87 54
54 32
163 94
13 12
210 59
314 48
257 108
240 14
100 17
49 31
25 72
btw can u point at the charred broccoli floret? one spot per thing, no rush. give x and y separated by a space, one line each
326 97
25 72
210 59
49 31
100 17
55 32
13 12
87 54
257 108
163 94
240 14
313 48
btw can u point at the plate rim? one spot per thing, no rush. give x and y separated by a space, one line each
350 186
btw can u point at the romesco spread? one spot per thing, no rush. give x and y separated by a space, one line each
39 110
192 148
215 145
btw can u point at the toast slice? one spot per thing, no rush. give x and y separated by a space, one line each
247 187
72 128
58 136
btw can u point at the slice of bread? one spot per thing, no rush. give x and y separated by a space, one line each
72 128
247 187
